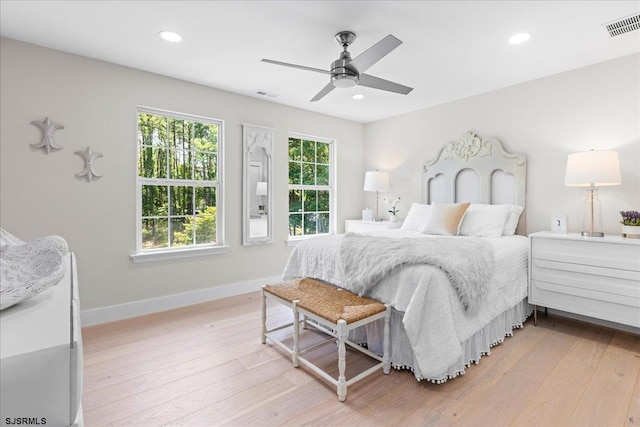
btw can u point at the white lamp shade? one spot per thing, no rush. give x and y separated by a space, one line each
261 189
376 181
597 168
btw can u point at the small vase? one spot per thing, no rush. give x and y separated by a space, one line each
393 218
631 231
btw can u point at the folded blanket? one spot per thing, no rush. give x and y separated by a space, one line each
468 262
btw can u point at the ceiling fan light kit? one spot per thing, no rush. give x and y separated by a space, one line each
346 72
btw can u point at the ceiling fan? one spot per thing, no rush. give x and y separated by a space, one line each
346 72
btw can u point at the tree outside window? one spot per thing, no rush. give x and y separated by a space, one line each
310 185
178 180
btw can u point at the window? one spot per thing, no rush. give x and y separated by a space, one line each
310 185
179 181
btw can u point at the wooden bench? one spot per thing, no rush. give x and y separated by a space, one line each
335 312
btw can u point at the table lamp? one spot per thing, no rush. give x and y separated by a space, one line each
376 181
592 169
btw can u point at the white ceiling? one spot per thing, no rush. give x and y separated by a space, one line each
451 49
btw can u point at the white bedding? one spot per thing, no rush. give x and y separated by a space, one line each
431 332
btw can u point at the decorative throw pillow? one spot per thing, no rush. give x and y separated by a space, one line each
484 220
416 217
445 218
512 220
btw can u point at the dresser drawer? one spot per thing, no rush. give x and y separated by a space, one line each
614 308
599 278
601 288
599 282
587 252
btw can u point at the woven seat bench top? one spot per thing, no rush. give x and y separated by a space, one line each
326 301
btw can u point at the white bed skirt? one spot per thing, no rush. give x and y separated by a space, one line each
473 349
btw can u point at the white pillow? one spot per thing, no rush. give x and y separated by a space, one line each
416 217
512 220
445 218
484 220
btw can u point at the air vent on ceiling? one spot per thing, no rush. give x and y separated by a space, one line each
263 93
624 25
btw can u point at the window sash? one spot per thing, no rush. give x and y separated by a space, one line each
300 186
170 217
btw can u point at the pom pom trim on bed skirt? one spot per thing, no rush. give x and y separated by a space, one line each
480 343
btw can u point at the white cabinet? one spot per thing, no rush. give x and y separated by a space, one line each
359 226
41 356
595 277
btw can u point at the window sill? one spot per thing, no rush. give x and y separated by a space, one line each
162 255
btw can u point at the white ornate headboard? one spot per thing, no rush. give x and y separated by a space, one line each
477 170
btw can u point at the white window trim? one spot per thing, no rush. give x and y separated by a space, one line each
333 211
178 253
182 251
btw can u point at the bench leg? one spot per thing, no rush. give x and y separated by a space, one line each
342 360
264 316
386 358
296 334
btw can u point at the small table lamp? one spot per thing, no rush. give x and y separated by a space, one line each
261 191
592 169
376 181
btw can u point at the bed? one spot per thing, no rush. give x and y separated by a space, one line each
455 273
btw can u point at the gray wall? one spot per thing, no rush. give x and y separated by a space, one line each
96 102
596 107
593 107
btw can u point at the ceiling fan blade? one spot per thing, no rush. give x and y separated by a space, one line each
375 53
325 90
378 83
302 67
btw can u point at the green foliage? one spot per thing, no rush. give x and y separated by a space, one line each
198 229
309 168
184 150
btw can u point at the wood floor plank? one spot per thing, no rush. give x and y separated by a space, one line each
114 392
555 400
633 413
275 411
156 358
478 380
615 375
489 408
267 380
359 396
204 365
124 408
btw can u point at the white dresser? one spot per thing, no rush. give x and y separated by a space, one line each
591 276
41 352
359 226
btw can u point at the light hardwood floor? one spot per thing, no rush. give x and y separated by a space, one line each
204 365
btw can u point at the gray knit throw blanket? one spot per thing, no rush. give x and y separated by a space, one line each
468 262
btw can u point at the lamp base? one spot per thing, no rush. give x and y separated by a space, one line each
592 234
592 223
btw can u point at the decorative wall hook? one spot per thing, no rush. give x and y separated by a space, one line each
89 157
47 127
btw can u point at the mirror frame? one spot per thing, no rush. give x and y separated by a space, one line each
256 137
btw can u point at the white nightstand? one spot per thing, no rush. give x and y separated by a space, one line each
593 276
359 226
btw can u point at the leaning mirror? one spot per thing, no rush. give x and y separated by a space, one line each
256 185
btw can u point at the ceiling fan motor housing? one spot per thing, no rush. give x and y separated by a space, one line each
343 75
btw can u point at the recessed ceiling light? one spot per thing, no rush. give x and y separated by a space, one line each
358 96
519 38
170 36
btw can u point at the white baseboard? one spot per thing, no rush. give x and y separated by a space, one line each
139 308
